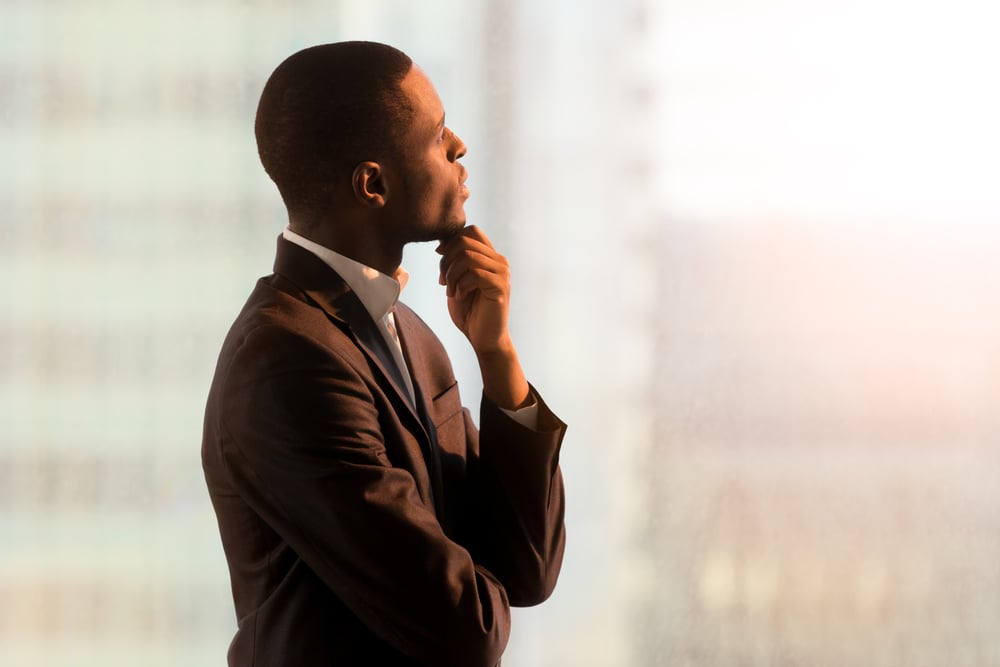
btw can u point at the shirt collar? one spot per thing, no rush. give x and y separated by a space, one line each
377 291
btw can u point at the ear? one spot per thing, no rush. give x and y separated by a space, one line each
369 183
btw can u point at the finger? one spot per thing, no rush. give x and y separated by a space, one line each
472 234
453 270
471 257
475 232
468 248
487 283
453 250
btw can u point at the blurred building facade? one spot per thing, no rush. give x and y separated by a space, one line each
761 303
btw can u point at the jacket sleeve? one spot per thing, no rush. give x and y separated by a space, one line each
304 447
519 491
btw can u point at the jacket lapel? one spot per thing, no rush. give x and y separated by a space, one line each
309 275
323 286
422 382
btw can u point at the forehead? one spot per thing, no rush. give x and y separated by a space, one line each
420 91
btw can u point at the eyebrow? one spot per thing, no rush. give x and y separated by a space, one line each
441 122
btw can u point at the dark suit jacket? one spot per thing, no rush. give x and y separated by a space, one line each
359 530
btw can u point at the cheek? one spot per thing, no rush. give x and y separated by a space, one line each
448 181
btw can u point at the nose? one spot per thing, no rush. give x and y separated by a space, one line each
458 148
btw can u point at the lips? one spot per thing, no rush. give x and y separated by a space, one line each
463 189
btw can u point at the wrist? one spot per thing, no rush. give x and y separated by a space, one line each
503 379
502 348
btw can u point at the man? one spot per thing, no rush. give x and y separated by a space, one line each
364 519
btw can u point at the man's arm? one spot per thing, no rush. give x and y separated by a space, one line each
477 278
519 482
520 492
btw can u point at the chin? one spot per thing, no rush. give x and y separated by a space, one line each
451 229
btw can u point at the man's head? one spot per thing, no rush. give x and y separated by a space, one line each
357 124
324 110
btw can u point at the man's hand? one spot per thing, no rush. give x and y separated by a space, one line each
478 282
477 278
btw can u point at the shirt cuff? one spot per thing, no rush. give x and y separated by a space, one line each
526 416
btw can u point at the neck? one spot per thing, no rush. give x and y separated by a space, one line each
348 238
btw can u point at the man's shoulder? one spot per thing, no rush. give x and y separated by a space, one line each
269 304
273 315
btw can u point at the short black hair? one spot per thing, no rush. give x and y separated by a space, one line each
324 110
